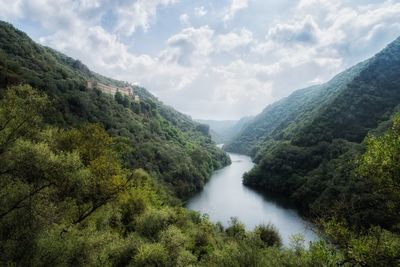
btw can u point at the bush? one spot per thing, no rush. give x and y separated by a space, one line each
151 255
150 223
236 229
269 235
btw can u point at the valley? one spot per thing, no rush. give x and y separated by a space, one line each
100 172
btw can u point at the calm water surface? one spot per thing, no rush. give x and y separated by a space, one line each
225 197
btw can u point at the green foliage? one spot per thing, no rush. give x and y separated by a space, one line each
51 177
159 139
20 114
150 223
378 177
81 186
372 247
236 229
122 99
306 145
152 255
269 235
67 200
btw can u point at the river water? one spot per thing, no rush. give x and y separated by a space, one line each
224 196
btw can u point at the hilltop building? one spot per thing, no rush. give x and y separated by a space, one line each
109 89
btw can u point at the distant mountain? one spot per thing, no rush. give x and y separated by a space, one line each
302 144
282 118
223 131
163 141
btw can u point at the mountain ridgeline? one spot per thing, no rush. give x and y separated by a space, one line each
307 145
90 178
162 141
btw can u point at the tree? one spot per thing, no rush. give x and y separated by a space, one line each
379 171
49 175
20 114
122 99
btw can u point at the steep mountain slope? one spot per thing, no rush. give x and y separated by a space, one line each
279 119
304 144
161 140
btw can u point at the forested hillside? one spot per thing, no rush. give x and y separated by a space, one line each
68 200
85 177
308 145
161 140
281 119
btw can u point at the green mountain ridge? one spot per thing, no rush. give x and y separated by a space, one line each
303 144
164 142
74 192
280 117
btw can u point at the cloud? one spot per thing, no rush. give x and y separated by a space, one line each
137 14
200 11
184 19
218 90
191 46
234 39
89 4
212 70
324 38
234 7
11 9
299 32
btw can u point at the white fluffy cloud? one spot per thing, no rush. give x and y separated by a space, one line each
135 14
184 19
208 70
190 47
234 39
234 7
90 4
10 9
304 32
200 11
323 38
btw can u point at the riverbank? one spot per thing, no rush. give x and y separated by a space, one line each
225 196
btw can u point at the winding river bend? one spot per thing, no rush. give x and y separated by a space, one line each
225 196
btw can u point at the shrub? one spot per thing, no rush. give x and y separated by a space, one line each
151 222
236 229
269 235
151 255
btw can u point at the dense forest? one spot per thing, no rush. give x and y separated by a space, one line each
68 200
92 179
331 148
162 141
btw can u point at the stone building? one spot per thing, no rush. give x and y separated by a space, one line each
109 89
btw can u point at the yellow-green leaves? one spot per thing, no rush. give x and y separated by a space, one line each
379 168
20 114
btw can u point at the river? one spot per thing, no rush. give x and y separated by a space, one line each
224 196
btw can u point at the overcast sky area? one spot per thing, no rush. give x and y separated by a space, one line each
220 59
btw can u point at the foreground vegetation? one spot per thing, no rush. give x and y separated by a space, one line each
67 200
90 179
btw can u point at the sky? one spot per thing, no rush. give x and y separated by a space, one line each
212 59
